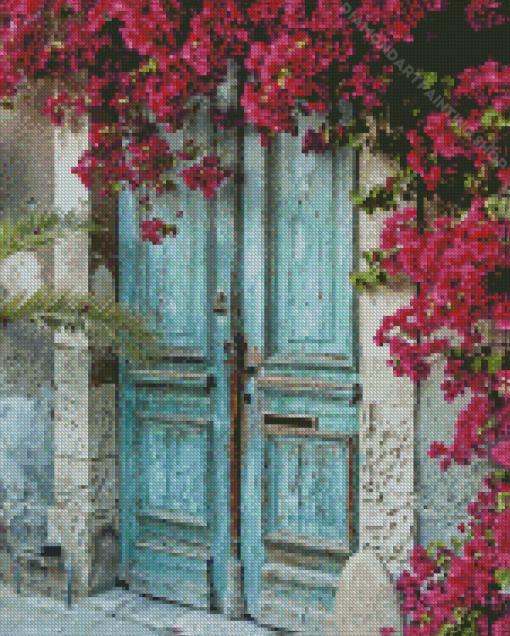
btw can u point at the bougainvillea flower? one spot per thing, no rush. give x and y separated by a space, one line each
502 315
501 454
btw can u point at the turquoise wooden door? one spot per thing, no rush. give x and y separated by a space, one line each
269 260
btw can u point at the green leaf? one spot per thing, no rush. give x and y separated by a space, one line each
106 323
369 279
492 114
500 474
431 547
457 615
495 363
502 577
501 500
35 229
448 80
369 256
456 127
476 363
150 67
429 78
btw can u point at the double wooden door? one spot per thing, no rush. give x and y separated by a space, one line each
239 445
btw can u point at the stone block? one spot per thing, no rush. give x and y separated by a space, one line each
366 599
102 421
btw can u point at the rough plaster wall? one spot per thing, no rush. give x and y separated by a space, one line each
387 502
26 354
404 496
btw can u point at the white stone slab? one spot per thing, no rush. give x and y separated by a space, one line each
366 599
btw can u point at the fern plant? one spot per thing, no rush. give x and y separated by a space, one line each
106 323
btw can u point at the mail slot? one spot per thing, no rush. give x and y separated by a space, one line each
291 421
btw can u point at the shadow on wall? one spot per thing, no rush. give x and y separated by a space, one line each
26 444
443 498
106 559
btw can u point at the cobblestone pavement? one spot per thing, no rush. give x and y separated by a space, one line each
113 613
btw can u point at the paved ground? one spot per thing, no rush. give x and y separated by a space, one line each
113 613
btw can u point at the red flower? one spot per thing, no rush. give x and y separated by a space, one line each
502 315
154 230
501 454
207 176
502 531
390 181
502 626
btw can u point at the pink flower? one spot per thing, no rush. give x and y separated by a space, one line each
503 383
502 531
207 176
422 565
155 230
504 176
501 627
502 315
314 141
390 182
437 449
501 454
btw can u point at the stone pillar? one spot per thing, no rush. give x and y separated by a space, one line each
387 508
72 444
389 409
85 515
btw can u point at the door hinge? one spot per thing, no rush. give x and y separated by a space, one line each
357 394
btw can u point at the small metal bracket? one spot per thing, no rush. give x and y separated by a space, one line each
357 394
69 580
220 305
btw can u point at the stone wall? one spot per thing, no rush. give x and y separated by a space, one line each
58 458
26 354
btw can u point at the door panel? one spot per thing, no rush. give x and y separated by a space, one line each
269 261
299 318
310 316
173 425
